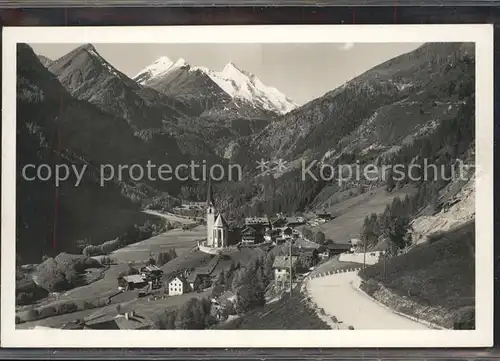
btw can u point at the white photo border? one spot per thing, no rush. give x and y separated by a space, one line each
480 34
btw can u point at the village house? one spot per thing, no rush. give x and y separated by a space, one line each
220 305
258 221
177 285
197 281
278 222
282 266
333 249
271 235
355 243
253 233
248 235
307 258
287 233
324 216
295 221
112 321
153 275
132 282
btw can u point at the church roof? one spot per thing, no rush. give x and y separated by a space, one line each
220 222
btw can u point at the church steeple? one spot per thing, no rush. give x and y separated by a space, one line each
210 215
210 196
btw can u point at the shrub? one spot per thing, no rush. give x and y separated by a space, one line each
351 328
101 302
67 307
50 277
231 310
49 311
88 305
18 320
131 270
370 287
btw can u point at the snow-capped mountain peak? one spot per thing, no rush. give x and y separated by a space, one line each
237 83
160 67
241 84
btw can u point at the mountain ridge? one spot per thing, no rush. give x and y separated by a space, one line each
236 83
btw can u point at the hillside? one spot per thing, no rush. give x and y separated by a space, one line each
419 104
435 281
88 76
55 128
285 314
418 87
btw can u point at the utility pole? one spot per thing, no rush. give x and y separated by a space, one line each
385 266
364 255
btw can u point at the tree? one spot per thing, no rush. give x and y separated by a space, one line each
169 318
194 315
399 234
221 279
320 238
131 270
390 184
369 237
244 299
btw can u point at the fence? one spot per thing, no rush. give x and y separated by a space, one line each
328 273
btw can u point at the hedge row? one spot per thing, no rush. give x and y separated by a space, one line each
61 309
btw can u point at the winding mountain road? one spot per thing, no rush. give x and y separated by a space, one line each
338 296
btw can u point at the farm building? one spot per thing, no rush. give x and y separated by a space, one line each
197 281
132 282
295 221
333 249
152 274
278 222
112 321
324 216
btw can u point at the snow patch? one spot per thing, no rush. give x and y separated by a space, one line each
160 67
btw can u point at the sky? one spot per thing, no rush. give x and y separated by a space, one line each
301 71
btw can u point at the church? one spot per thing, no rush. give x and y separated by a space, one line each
217 227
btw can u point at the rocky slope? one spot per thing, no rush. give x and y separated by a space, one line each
376 111
153 117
